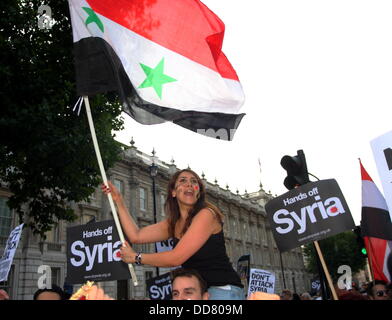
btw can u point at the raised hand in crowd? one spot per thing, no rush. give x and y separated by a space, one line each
4 295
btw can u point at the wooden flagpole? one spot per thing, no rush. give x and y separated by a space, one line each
369 259
330 283
370 270
105 181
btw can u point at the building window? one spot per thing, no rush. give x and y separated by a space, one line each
267 257
56 276
252 235
263 235
163 200
229 250
148 275
5 220
122 290
119 185
255 254
226 230
143 199
234 228
244 231
86 218
53 236
92 197
256 234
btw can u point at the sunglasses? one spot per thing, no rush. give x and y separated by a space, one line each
381 293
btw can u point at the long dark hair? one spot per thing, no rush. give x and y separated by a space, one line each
172 209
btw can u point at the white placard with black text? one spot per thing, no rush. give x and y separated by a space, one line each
382 152
9 252
261 281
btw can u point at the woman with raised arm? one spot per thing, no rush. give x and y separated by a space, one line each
196 227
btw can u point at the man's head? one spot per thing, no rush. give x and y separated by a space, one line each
55 293
389 288
377 290
286 295
187 284
306 296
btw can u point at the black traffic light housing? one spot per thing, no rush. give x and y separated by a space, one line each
360 241
297 171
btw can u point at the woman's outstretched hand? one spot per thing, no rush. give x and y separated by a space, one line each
116 195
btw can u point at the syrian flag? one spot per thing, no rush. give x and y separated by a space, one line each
376 228
162 57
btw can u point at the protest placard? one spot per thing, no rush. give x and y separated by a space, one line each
382 152
9 252
261 281
92 253
311 212
160 288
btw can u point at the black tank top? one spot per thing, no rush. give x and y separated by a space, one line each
212 262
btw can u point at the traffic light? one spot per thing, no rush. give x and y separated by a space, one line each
297 171
360 241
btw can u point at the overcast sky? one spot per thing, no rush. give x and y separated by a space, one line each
317 76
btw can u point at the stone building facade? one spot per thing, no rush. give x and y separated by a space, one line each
246 231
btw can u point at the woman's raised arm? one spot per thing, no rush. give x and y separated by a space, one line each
152 233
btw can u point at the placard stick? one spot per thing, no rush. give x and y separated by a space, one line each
330 283
105 181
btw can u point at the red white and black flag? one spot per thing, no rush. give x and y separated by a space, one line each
162 57
376 228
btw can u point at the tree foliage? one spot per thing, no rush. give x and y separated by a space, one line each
47 158
341 249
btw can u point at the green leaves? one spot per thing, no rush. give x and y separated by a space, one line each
47 146
338 250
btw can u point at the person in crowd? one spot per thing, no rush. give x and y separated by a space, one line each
90 291
97 293
318 296
286 295
187 284
55 293
4 295
389 288
196 227
296 296
363 289
354 286
377 290
351 294
258 295
306 296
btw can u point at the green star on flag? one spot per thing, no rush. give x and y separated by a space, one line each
93 18
155 78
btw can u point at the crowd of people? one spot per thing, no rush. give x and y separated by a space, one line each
188 284
199 247
373 290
